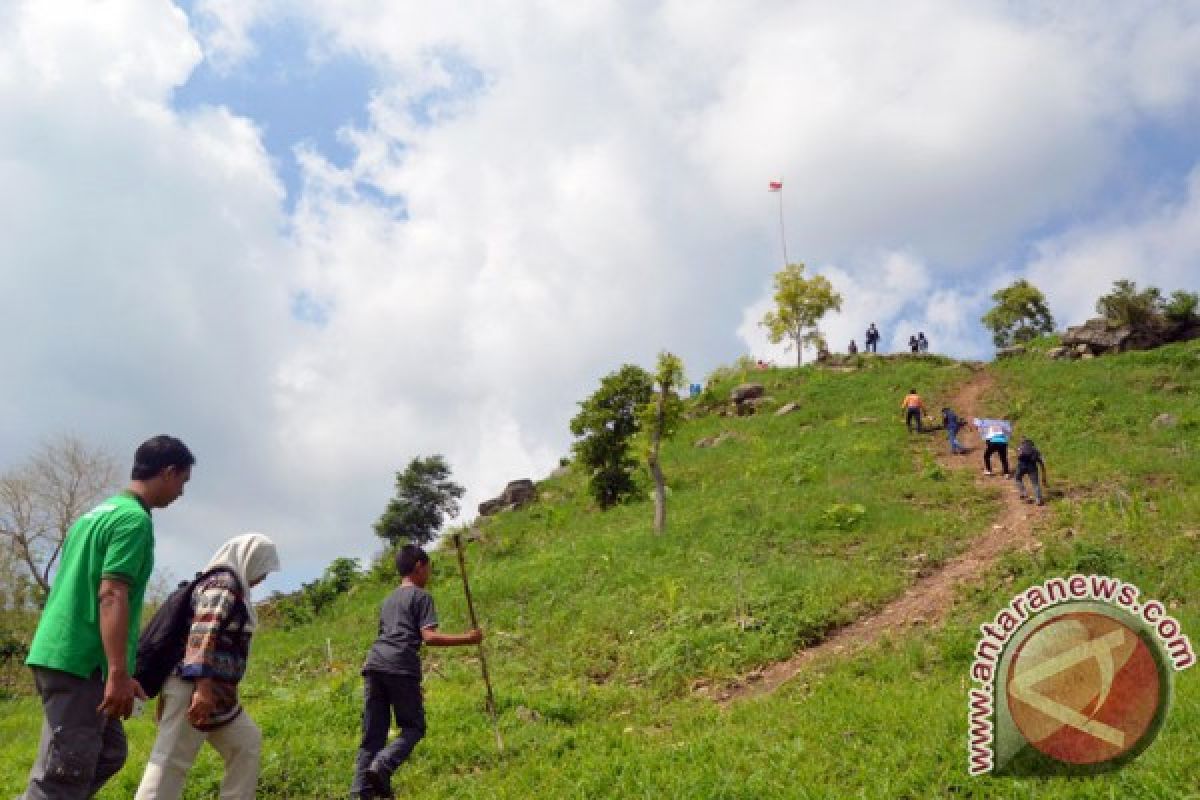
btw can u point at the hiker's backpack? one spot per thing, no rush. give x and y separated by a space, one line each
163 641
1027 453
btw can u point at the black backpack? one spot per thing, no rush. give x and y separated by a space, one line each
1027 453
163 641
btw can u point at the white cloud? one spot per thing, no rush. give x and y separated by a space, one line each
1161 247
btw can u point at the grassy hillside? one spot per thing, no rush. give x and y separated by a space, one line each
597 627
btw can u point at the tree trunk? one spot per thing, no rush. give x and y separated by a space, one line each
660 489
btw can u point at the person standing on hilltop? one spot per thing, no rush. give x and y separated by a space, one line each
85 648
913 344
922 342
872 339
392 676
912 408
853 348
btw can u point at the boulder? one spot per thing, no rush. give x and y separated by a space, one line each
787 409
489 507
1010 352
747 391
1165 421
1058 352
517 494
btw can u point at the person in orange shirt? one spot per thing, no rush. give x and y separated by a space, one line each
912 410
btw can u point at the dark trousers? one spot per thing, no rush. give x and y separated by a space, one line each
80 748
872 346
910 415
1000 448
386 696
1031 470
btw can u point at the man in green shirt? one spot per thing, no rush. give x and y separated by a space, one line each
82 654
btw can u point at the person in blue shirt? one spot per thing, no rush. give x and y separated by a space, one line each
952 423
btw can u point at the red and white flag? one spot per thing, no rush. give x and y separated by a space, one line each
775 186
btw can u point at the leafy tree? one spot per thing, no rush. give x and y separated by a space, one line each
1020 314
1181 308
41 499
425 497
799 305
606 422
660 420
1125 305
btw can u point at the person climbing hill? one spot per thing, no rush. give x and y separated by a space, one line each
912 408
952 423
995 434
1029 462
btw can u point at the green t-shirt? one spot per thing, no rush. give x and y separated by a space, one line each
114 540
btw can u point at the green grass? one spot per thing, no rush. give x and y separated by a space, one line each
600 626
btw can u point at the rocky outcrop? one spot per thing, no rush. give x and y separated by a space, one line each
1011 352
517 494
1098 337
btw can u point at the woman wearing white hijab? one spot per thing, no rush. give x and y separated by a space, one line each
199 701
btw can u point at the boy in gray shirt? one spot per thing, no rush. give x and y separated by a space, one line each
392 676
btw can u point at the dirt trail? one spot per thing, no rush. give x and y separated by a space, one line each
926 601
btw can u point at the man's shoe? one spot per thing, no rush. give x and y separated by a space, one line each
988 472
377 784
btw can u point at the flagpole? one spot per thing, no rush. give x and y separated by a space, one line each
782 235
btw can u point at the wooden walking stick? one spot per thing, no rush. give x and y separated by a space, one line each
491 699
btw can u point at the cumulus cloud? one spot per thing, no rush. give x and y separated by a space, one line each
144 291
541 192
1159 247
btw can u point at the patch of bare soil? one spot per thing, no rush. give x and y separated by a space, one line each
927 601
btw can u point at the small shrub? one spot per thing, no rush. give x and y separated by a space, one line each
844 516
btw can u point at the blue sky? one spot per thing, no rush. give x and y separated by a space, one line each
293 94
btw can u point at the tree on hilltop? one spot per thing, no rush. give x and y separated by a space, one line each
1020 314
1127 305
799 305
